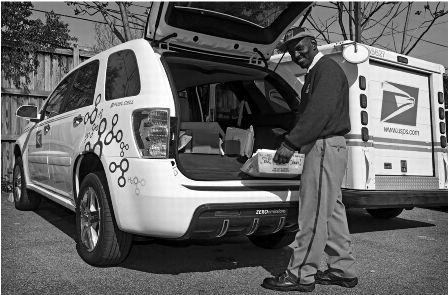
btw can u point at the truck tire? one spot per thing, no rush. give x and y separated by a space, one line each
24 199
99 241
273 241
385 213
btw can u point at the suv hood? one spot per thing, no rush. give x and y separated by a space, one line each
246 31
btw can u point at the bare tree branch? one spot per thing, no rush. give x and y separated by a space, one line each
350 20
111 24
312 22
377 7
436 15
389 15
378 37
405 28
393 37
124 17
114 17
384 26
340 20
143 20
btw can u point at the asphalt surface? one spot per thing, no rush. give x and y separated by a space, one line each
405 255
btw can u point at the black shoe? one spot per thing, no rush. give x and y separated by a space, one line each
285 282
327 278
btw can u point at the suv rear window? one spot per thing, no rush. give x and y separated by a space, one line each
261 14
122 75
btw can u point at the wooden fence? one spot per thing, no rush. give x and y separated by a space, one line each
52 68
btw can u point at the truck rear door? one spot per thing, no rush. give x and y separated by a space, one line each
400 105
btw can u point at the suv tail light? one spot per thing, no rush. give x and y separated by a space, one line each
152 132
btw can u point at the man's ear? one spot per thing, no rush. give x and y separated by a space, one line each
314 43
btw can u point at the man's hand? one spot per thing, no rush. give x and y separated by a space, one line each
283 154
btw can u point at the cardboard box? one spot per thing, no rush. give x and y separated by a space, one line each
245 137
204 137
232 147
205 141
262 165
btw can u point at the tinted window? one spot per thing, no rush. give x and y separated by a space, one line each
273 96
83 88
56 100
261 14
227 103
122 76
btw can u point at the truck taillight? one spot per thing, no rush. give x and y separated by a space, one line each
152 132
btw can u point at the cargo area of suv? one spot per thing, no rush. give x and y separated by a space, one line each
222 106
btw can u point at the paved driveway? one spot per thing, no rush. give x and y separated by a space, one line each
406 255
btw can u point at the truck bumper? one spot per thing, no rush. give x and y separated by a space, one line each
394 199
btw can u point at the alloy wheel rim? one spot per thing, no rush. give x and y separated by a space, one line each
89 210
17 184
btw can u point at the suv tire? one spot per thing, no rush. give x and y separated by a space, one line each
273 241
24 199
99 241
385 213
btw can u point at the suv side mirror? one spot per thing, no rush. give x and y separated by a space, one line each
28 112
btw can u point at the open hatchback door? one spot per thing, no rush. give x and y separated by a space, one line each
245 31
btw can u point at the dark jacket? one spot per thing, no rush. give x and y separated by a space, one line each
323 109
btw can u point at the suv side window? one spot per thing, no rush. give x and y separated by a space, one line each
273 97
122 75
56 100
83 88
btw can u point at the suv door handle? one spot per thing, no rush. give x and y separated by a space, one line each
77 120
46 128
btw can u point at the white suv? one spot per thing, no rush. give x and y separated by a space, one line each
132 139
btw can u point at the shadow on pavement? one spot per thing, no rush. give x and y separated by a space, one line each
359 221
174 257
440 209
57 215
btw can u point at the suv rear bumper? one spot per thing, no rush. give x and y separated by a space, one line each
394 199
217 220
159 201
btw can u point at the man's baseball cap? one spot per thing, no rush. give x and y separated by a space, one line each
294 35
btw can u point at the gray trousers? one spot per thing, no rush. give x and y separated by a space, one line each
322 219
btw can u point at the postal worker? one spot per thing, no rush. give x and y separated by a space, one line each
321 123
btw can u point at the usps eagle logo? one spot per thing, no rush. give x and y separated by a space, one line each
399 104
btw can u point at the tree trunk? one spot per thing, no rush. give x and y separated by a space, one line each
124 18
357 23
350 19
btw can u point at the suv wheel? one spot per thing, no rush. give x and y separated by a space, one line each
385 213
24 199
99 242
273 241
